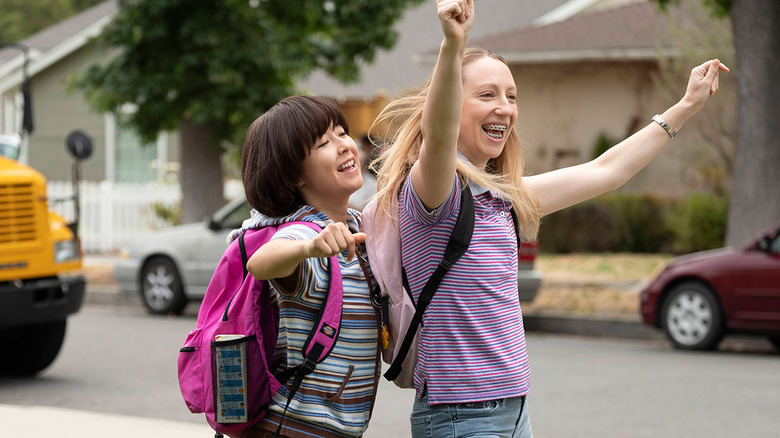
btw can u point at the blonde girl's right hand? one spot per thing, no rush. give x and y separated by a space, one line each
456 17
334 239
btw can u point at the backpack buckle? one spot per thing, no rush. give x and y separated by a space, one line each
308 365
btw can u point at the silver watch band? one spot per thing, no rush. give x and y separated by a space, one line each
667 128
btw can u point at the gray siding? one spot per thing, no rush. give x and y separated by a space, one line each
57 112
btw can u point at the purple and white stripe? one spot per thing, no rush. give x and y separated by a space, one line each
472 344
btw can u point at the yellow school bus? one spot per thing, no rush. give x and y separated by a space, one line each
39 261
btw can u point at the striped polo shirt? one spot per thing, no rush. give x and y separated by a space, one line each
335 400
472 342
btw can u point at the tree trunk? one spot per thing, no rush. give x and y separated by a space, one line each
755 196
201 172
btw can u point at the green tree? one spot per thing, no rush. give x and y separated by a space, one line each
22 18
210 67
754 200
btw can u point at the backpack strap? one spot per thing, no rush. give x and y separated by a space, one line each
516 222
324 333
244 257
456 246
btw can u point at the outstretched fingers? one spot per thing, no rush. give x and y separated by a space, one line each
359 238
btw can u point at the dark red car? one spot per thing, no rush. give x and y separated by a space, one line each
700 297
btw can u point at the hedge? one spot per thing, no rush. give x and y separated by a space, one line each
627 222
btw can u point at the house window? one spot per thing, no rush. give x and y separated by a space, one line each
129 159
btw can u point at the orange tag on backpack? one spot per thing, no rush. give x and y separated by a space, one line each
385 338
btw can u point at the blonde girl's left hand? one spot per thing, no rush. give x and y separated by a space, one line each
456 17
703 82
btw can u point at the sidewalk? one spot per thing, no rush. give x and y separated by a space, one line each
47 422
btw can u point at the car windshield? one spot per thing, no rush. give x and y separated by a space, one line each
774 247
236 217
9 148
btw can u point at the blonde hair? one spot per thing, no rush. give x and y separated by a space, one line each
401 124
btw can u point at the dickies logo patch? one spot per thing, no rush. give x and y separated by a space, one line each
328 331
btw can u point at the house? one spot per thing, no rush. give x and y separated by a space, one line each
54 54
592 74
396 71
65 48
583 68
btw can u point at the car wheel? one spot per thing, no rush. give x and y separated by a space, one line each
30 349
692 317
161 287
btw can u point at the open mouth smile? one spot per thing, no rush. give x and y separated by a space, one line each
494 130
347 166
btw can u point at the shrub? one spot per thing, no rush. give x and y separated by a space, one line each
585 227
639 224
698 223
618 222
170 215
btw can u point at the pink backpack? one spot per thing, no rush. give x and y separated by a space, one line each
400 315
225 365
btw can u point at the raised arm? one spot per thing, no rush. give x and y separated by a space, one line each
564 187
433 174
280 258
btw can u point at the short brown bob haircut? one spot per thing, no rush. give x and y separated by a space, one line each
275 146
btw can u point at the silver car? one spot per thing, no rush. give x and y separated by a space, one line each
173 266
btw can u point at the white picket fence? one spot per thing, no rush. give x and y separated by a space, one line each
112 214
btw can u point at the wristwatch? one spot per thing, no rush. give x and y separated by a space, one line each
667 128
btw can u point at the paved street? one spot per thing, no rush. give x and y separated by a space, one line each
118 371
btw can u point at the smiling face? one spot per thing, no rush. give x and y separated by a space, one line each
489 110
331 170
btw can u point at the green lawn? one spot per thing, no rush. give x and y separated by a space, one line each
593 284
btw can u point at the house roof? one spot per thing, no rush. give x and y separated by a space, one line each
392 71
419 32
635 31
57 33
505 26
54 43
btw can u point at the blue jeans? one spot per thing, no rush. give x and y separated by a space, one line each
505 418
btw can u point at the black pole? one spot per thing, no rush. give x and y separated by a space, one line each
74 226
